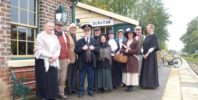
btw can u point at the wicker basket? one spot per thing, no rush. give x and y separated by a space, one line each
120 58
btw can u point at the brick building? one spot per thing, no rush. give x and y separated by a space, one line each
20 21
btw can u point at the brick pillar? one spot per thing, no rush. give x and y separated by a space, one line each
5 34
5 84
5 49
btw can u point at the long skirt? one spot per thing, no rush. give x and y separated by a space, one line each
149 72
116 73
46 82
130 79
104 79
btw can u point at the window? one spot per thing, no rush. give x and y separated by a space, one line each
22 40
23 26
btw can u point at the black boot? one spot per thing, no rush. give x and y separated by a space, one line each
102 90
129 88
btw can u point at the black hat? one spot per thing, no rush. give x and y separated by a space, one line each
86 26
59 23
130 30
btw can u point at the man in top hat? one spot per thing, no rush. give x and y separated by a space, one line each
87 49
64 57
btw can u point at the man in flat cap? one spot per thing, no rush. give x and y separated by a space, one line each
64 57
87 49
140 38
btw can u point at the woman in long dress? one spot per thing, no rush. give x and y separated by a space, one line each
130 70
112 43
103 70
149 71
115 69
47 50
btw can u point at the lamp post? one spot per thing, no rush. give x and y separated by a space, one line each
61 15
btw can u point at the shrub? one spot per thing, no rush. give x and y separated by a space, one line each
195 55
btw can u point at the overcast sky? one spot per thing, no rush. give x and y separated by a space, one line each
182 12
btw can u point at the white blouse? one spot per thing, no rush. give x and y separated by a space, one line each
120 42
113 45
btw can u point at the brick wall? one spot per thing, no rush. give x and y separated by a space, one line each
46 12
28 73
48 8
6 83
5 49
5 28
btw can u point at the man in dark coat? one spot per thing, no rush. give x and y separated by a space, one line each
87 49
149 71
96 35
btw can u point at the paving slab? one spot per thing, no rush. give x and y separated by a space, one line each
182 84
137 94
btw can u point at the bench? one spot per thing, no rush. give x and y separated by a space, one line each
23 83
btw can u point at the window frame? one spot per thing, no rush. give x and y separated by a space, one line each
27 26
28 10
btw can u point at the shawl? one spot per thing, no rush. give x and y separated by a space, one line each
105 53
45 47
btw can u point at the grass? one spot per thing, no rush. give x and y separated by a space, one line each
191 59
193 63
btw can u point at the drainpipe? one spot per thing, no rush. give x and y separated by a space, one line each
38 18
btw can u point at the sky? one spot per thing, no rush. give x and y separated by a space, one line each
182 12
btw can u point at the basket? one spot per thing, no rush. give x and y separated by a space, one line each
120 58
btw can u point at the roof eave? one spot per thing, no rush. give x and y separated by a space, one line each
107 13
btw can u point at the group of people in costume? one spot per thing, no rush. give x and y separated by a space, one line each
63 62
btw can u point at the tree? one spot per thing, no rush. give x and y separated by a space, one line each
146 11
152 11
190 38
